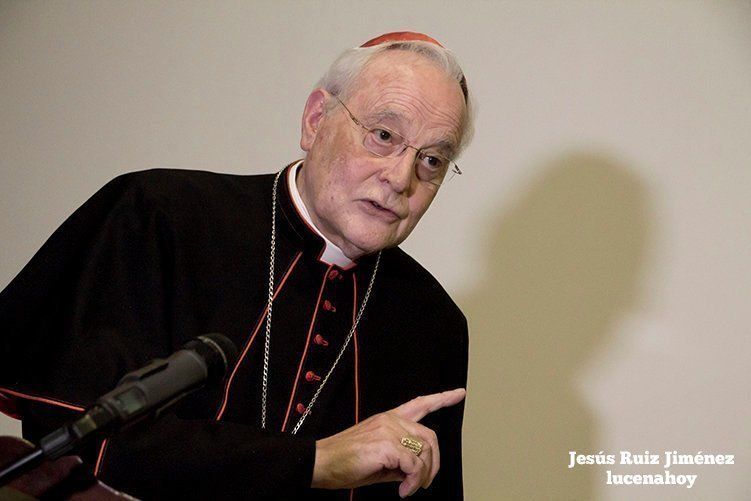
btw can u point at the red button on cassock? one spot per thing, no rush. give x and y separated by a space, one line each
300 408
320 340
311 376
333 274
328 306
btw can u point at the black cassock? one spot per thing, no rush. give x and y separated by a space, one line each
158 257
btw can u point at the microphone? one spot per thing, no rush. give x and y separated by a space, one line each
143 393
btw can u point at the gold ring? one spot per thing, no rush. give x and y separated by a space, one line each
414 445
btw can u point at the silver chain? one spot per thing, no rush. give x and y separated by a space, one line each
268 321
269 303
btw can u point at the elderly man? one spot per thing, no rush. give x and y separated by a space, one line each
353 358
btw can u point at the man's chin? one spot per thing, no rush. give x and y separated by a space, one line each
358 248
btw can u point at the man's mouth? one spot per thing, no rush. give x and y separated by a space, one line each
383 211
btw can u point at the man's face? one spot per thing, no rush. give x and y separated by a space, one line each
361 202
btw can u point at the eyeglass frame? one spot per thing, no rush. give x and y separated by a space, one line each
452 168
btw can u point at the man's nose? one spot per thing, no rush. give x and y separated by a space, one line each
400 171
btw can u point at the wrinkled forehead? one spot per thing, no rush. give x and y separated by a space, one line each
411 95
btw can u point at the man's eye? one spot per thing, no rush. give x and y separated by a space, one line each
434 163
383 135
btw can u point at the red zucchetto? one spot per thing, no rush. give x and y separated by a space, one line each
401 36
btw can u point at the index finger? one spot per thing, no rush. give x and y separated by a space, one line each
419 407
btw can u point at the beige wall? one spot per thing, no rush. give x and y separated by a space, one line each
599 241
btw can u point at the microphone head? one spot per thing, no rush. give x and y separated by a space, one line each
219 352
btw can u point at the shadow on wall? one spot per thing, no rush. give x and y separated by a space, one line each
563 266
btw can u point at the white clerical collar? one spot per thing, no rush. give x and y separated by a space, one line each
331 253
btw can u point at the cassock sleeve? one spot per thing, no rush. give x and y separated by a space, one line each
447 423
455 474
94 303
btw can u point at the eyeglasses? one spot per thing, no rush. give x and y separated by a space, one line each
432 167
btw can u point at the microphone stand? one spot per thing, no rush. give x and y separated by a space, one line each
142 394
115 411
59 442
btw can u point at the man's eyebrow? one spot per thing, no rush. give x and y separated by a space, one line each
384 115
444 147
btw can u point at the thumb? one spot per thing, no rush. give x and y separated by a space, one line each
419 407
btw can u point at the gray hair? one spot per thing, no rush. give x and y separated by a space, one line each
344 71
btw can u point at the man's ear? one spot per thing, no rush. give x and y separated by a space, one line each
315 109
